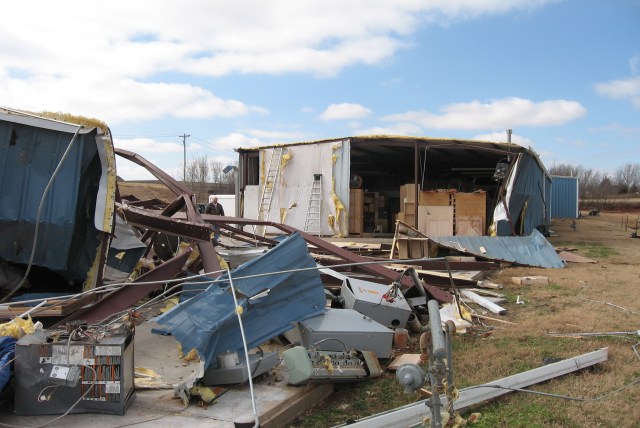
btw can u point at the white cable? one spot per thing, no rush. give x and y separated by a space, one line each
246 351
35 232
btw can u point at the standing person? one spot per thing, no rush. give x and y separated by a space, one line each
214 208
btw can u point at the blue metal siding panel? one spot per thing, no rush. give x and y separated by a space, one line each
30 156
564 197
532 250
208 322
527 203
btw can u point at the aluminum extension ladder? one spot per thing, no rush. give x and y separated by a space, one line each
270 180
312 221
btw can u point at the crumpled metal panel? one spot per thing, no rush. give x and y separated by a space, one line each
533 250
31 149
208 321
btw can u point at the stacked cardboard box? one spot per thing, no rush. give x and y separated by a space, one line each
356 207
444 212
367 212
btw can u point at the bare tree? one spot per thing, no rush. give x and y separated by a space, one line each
197 176
628 177
224 182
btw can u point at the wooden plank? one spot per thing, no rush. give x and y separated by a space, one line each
403 359
435 198
486 292
484 302
529 280
486 318
575 258
53 308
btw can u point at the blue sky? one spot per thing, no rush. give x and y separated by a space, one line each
563 74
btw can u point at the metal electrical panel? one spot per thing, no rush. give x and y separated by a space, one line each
346 329
91 365
376 301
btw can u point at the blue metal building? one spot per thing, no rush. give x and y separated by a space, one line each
564 197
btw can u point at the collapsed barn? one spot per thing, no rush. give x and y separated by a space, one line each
439 186
104 263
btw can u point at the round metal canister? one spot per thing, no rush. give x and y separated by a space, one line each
228 359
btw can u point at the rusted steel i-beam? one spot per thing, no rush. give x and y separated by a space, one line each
122 298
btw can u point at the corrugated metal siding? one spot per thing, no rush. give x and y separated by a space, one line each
564 197
208 321
532 250
29 157
527 205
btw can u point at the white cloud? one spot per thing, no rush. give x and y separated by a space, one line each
130 171
128 61
503 113
345 111
501 137
147 145
281 136
118 101
396 129
623 89
236 140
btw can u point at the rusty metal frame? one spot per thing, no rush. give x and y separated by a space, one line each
122 298
160 223
193 225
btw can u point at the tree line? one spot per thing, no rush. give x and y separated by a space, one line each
597 184
206 177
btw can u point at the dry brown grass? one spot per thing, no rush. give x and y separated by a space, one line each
559 306
145 191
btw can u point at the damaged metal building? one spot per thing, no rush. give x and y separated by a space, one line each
361 185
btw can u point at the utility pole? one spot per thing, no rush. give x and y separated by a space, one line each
184 159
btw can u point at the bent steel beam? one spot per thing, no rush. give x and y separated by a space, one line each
122 298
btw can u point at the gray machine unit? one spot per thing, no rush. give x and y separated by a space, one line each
232 368
375 300
338 329
52 372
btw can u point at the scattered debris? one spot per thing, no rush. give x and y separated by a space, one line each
484 302
533 250
413 414
575 258
403 359
529 280
313 365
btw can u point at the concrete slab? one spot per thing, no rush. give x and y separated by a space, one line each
276 402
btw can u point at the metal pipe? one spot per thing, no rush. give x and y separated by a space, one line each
437 337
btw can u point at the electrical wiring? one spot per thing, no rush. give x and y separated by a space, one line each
331 339
73 406
634 382
246 351
260 275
